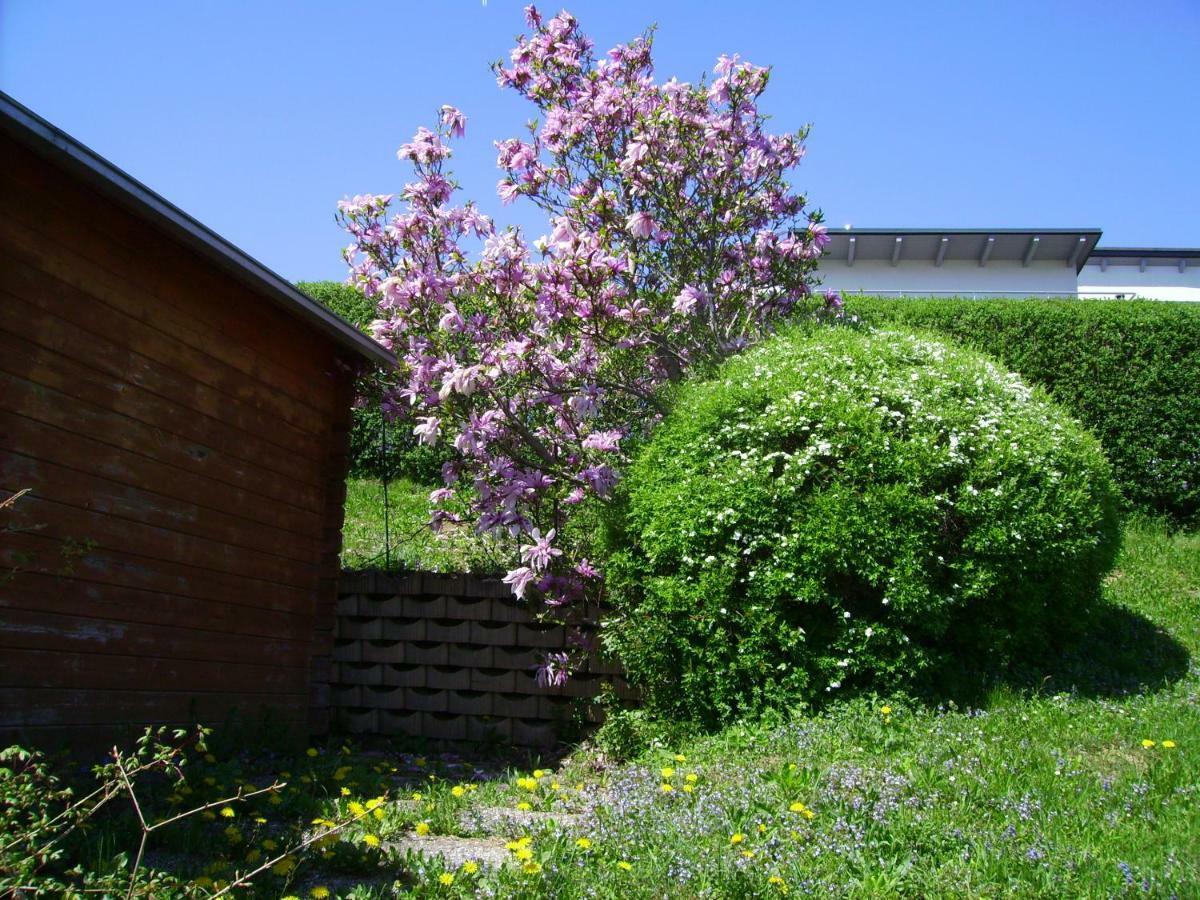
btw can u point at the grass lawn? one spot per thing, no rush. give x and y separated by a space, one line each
413 545
1088 785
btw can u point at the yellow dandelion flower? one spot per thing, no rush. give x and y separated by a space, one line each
1147 743
227 812
809 814
797 807
345 792
259 820
1170 745
666 788
377 812
556 786
691 777
458 790
422 828
524 807
762 829
688 788
417 797
679 757
446 878
524 854
583 844
736 839
284 867
470 867
311 751
356 808
320 892
748 854
375 802
291 897
668 772
539 773
624 866
531 868
886 710
371 841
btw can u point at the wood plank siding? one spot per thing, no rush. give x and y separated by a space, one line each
184 440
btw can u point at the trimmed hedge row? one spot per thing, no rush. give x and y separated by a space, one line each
1128 369
370 456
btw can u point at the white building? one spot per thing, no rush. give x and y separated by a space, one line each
1157 273
1004 262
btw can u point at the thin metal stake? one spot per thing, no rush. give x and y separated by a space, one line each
387 477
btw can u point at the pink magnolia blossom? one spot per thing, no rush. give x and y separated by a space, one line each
454 120
607 441
540 553
640 225
687 300
426 431
520 580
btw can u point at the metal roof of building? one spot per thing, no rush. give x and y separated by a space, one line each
1154 256
59 147
1070 246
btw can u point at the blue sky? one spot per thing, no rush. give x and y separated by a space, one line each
256 117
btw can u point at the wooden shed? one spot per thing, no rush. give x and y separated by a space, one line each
179 415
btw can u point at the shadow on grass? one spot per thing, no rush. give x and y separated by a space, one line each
1118 653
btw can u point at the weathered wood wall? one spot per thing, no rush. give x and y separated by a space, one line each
452 658
186 439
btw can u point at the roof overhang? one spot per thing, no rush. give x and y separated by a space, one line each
64 151
1180 257
1066 246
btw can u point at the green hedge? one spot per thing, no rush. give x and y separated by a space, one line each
371 456
1128 369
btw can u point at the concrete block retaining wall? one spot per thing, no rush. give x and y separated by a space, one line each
453 658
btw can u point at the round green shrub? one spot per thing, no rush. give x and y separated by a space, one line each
841 510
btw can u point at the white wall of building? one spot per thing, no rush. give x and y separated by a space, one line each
1157 282
958 277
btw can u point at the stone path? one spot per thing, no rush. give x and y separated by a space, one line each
454 851
495 822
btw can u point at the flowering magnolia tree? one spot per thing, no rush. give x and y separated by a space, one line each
674 240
